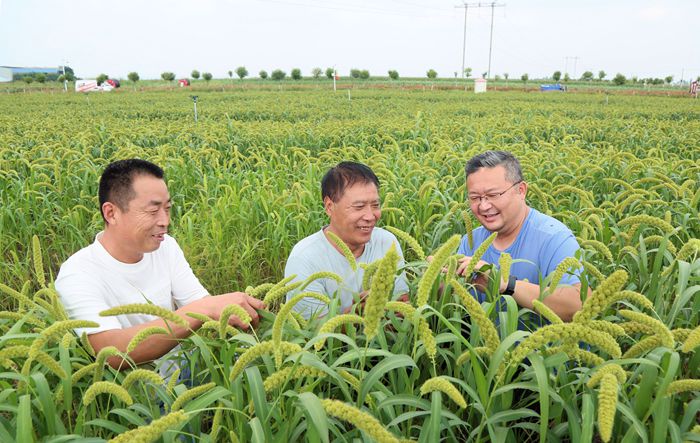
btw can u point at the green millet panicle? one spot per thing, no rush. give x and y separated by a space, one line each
380 292
643 346
505 261
648 220
468 227
443 385
282 316
144 308
227 312
274 294
599 247
333 323
560 270
480 251
38 261
434 268
360 419
478 316
593 271
188 395
56 331
369 269
344 249
693 340
680 335
107 387
319 275
173 380
546 312
610 368
280 377
607 406
258 350
598 301
684 385
659 328
611 328
409 240
575 353
151 432
466 355
142 375
356 384
143 335
259 290
106 352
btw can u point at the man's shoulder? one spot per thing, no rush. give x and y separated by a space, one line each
308 246
546 225
382 237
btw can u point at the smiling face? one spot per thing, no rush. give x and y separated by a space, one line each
140 227
354 215
500 213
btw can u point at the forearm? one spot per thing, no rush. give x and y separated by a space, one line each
564 301
152 347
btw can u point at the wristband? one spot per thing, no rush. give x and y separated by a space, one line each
510 287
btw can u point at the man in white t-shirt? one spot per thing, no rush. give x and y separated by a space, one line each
350 194
134 261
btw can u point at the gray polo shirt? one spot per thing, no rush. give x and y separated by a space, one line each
315 253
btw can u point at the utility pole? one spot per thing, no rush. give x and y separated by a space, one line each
575 59
466 7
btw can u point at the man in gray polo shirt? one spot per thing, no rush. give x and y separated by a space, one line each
350 193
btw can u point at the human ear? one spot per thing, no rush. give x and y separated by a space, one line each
109 210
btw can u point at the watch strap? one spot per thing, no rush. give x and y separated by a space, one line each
510 287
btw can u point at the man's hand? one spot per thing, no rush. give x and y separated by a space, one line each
213 305
482 277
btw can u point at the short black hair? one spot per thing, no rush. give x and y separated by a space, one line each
117 179
342 176
491 159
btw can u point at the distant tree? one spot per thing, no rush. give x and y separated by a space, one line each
207 76
195 74
355 73
329 73
587 76
278 74
28 79
567 78
364 74
101 78
456 74
556 76
524 78
263 74
484 74
316 72
619 79
467 72
41 77
296 74
133 78
657 81
61 78
70 76
230 74
634 79
497 78
431 73
668 79
167 76
241 72
601 75
394 75
505 76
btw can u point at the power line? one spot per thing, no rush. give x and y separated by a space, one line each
466 7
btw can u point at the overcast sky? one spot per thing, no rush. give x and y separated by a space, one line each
645 38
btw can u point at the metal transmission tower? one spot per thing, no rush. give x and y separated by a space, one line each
575 59
466 7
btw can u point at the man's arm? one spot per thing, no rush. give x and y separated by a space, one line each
158 345
565 301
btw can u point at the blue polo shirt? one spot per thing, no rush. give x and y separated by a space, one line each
543 242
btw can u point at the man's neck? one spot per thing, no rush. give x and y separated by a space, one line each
506 238
116 249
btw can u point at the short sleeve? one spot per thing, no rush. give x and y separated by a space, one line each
83 299
302 268
186 287
562 245
400 284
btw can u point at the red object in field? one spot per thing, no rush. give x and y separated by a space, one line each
337 77
113 82
183 82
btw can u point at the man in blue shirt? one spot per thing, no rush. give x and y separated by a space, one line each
496 194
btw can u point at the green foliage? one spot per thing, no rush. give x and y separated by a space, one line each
467 72
355 73
167 76
262 74
101 78
587 76
41 77
230 74
28 79
524 78
668 79
133 77
619 79
601 75
207 76
394 75
556 76
195 74
431 74
329 73
364 74
316 73
241 72
296 74
567 78
278 74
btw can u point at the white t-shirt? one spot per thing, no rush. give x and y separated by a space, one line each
315 253
91 280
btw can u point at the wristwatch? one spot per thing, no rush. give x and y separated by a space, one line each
510 287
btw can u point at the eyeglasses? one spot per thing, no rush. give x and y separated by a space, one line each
491 197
